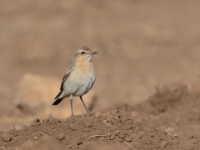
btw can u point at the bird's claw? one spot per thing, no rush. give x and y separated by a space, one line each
89 114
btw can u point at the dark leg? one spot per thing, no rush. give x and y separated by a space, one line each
71 101
88 113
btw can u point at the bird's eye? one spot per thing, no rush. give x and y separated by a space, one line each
82 52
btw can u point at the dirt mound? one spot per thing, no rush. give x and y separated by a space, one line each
165 99
169 119
173 107
116 127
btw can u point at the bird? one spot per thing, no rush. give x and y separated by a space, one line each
78 78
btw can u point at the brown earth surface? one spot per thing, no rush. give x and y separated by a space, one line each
146 95
170 119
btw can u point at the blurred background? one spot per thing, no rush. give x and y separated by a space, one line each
142 45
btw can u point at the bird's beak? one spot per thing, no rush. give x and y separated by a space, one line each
93 53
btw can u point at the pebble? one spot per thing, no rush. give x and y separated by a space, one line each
35 137
61 136
36 122
121 140
79 142
164 144
122 135
88 124
128 139
6 138
98 115
73 126
112 137
128 127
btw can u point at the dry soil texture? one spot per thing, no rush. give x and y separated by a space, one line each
143 45
170 119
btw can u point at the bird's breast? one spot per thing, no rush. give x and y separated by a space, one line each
84 71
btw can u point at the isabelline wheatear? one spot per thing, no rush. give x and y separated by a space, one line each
79 78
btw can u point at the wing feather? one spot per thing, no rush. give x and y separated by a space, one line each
66 75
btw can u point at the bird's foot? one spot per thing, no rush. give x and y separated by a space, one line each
89 113
72 116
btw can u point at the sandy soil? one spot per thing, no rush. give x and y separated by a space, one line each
147 88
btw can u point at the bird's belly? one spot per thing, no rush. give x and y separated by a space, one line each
85 85
80 85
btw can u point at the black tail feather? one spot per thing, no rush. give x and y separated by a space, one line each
57 101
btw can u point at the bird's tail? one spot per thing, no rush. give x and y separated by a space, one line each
58 99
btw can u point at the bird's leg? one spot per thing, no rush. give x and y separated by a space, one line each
71 101
88 112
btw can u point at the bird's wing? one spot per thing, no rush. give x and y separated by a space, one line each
66 75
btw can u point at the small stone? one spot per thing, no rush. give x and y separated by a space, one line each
6 138
191 137
79 142
109 119
128 127
164 144
117 132
35 137
58 121
121 140
112 137
121 135
88 124
116 111
87 130
73 126
140 137
128 139
25 128
107 123
61 136
36 122
98 115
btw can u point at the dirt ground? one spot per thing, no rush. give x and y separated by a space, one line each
147 93
169 119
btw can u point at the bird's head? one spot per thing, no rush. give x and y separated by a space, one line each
84 53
